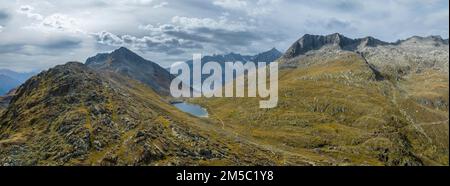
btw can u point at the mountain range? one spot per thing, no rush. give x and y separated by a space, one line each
351 102
342 101
8 83
267 56
413 54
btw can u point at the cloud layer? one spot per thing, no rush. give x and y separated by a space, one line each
37 35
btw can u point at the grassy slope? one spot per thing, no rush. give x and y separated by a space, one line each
336 113
75 117
237 152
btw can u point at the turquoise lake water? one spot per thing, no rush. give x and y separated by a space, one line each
193 109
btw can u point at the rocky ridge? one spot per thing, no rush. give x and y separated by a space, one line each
73 115
395 60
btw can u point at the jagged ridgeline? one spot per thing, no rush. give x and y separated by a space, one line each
267 57
352 101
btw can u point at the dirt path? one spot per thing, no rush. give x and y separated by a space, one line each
395 89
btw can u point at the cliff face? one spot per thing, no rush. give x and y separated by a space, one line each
391 59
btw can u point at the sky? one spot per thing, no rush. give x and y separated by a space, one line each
39 34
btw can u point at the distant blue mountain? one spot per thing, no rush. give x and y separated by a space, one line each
128 63
10 79
20 76
7 83
268 57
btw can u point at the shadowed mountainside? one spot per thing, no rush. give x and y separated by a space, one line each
127 63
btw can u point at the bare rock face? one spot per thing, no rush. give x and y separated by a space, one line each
414 54
397 59
315 42
413 74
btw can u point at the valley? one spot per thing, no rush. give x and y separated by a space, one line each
334 109
342 101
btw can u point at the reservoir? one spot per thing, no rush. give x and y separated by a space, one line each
193 109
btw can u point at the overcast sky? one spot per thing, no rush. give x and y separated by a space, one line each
36 34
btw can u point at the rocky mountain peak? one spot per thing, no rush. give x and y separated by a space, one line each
371 42
274 50
433 40
315 42
268 56
125 53
120 55
337 38
123 49
128 63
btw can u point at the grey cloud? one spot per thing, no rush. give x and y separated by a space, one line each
189 36
348 5
10 48
62 44
147 43
199 5
216 33
200 27
226 37
175 51
47 48
108 38
170 46
335 24
4 16
186 33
